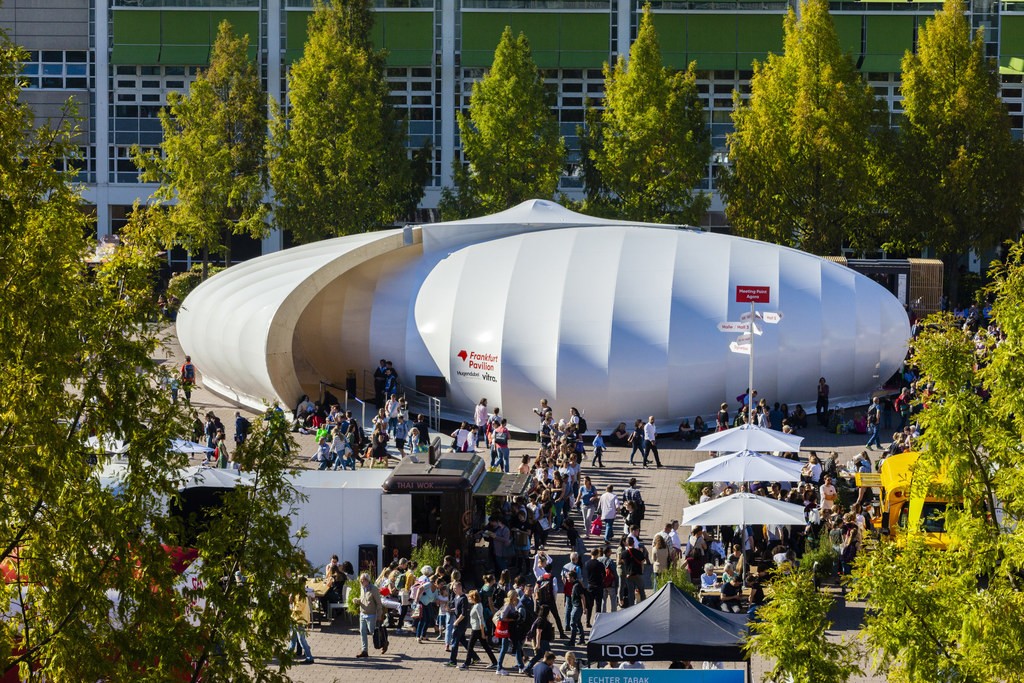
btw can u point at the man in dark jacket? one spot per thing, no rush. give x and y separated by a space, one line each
595 571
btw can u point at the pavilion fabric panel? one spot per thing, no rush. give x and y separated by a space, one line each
756 36
888 38
671 30
1011 40
136 37
408 37
711 40
848 28
584 40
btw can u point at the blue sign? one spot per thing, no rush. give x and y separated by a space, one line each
662 676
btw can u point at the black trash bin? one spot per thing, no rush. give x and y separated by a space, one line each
368 560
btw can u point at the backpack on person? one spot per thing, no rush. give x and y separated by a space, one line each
582 426
610 576
639 506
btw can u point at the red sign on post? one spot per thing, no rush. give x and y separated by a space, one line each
752 295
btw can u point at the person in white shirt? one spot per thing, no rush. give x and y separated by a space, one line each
674 540
480 416
632 665
650 442
608 507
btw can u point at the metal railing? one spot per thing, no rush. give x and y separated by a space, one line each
347 398
416 401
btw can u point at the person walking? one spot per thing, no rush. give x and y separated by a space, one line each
501 436
541 633
370 607
599 449
300 620
458 608
594 570
650 441
478 632
821 406
575 599
608 506
188 378
636 440
508 631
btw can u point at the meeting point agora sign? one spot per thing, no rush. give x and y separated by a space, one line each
749 294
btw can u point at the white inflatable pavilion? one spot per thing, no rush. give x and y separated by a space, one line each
618 319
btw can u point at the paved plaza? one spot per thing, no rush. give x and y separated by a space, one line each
335 646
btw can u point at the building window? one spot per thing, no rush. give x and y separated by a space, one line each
57 70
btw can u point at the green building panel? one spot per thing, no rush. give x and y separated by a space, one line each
1011 43
573 41
407 36
848 27
711 40
756 36
887 38
671 30
175 37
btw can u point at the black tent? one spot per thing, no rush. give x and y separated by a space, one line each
668 626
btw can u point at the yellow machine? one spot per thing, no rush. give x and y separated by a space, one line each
901 508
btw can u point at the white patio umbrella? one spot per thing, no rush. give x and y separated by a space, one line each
747 466
743 508
189 447
750 438
107 444
211 477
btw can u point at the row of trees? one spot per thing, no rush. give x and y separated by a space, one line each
813 162
334 157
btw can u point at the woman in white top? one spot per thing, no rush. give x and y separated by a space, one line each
478 634
570 669
461 435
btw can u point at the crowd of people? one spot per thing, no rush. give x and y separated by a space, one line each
511 615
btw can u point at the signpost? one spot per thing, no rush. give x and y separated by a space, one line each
748 323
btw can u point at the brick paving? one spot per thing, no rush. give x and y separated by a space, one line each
334 646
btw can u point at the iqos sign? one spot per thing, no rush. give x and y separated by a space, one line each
627 651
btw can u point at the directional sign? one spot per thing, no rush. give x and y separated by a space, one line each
738 327
739 348
746 294
770 317
743 339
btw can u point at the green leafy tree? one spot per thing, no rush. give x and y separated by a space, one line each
791 631
509 138
211 165
800 157
959 178
651 146
338 159
952 614
89 589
